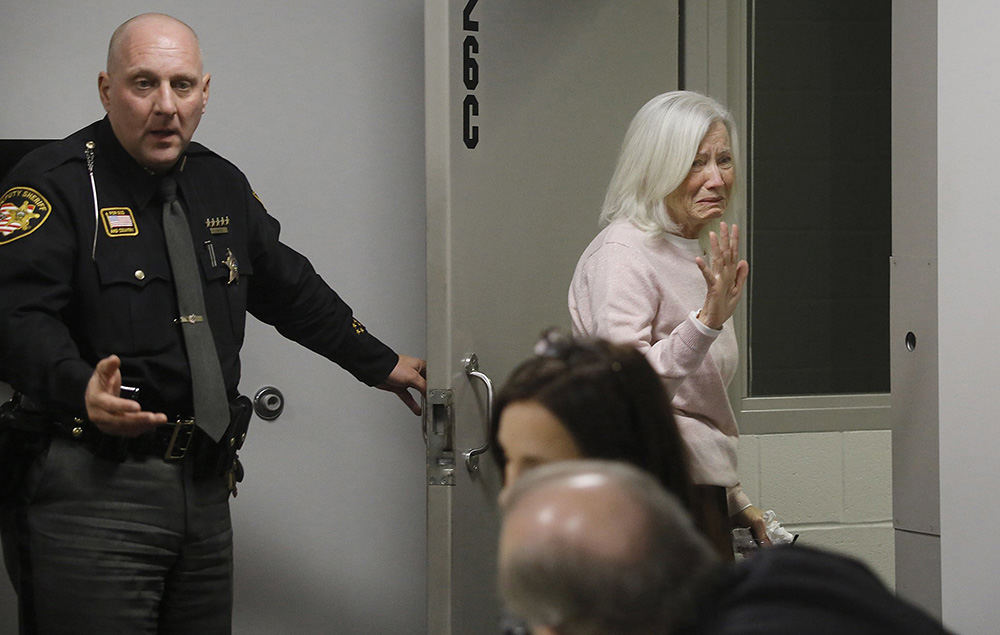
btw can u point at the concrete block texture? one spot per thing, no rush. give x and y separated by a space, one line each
749 467
802 477
870 543
867 476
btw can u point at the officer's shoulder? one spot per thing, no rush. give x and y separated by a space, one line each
49 157
207 157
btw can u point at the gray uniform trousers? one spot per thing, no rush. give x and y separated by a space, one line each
97 546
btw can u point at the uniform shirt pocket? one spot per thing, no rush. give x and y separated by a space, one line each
138 302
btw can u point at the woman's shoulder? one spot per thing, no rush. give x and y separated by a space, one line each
619 234
621 250
620 240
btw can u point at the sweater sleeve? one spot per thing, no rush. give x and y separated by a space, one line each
736 499
622 293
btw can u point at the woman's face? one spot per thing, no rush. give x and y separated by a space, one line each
530 435
704 194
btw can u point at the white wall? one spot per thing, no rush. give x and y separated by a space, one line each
834 489
321 104
968 306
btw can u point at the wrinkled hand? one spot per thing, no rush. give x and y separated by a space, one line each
725 277
111 413
753 518
409 372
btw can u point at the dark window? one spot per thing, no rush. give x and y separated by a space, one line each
820 197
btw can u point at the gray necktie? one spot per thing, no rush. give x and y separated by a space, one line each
211 408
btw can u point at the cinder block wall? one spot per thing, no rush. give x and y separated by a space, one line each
832 488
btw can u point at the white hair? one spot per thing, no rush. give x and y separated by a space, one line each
659 148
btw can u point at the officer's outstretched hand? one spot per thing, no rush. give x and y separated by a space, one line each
111 413
408 373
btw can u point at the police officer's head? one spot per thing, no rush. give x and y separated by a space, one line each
154 89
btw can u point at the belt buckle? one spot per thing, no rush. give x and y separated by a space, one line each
180 440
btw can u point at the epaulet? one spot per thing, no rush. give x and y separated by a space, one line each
196 150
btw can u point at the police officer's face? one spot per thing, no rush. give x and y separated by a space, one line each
154 90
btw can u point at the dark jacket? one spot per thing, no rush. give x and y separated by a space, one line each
790 590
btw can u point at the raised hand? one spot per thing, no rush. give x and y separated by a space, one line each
111 413
725 277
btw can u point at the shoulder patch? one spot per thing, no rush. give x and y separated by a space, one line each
22 211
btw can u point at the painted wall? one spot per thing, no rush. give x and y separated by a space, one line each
321 104
968 306
834 489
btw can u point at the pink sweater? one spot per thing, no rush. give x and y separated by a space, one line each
632 288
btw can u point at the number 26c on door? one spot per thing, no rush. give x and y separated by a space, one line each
470 76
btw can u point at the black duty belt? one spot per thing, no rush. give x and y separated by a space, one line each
171 442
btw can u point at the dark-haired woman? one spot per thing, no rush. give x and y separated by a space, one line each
581 398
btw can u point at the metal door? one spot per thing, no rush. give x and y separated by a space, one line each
527 103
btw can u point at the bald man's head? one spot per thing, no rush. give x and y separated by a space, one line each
597 547
588 512
157 20
154 89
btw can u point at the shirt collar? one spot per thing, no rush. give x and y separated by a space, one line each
140 182
692 245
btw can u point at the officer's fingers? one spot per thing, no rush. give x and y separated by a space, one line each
419 383
130 424
413 363
107 367
113 405
103 407
107 375
408 372
410 402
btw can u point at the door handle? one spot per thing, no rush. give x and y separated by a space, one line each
472 370
268 403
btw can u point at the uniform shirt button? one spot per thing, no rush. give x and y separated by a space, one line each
77 432
140 274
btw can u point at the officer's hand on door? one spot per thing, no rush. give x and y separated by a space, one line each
408 373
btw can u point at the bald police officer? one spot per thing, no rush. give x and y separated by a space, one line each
121 523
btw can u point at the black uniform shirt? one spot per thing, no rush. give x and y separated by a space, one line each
69 299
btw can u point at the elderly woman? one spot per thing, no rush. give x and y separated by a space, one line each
658 278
